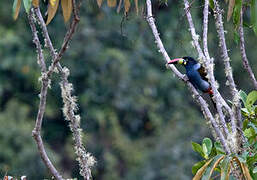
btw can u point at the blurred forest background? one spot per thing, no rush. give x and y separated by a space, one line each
138 119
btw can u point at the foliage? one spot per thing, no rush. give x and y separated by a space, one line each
126 4
247 161
138 118
216 161
249 112
67 7
235 8
16 142
51 10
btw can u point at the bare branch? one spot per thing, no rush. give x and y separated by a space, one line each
45 82
195 36
200 100
246 64
86 161
205 28
45 33
68 36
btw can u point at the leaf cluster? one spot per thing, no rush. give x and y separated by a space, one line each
214 156
217 162
126 4
234 10
51 10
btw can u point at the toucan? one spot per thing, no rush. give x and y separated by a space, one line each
196 73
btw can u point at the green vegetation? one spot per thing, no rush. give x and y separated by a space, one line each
138 120
215 159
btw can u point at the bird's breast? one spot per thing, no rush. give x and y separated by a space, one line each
196 79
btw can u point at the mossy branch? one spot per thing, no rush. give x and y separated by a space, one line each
86 161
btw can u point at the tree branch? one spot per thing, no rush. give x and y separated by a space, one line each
41 110
195 36
206 60
228 70
68 36
246 64
200 100
86 161
205 28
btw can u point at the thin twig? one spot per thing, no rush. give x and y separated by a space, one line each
246 64
68 36
204 106
43 93
195 36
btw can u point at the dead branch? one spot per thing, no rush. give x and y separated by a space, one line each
68 36
86 161
45 81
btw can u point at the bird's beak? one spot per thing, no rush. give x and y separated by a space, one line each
177 60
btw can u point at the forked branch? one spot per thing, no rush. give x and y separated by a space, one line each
206 60
86 161
204 106
235 121
42 104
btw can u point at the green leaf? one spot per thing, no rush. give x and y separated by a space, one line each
197 166
236 37
236 12
245 111
243 96
245 124
219 148
255 170
205 151
250 100
253 126
197 148
247 25
207 146
248 132
225 168
215 162
252 160
241 159
27 5
255 110
211 4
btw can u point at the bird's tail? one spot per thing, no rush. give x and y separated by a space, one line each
210 92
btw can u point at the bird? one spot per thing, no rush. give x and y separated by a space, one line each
196 74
